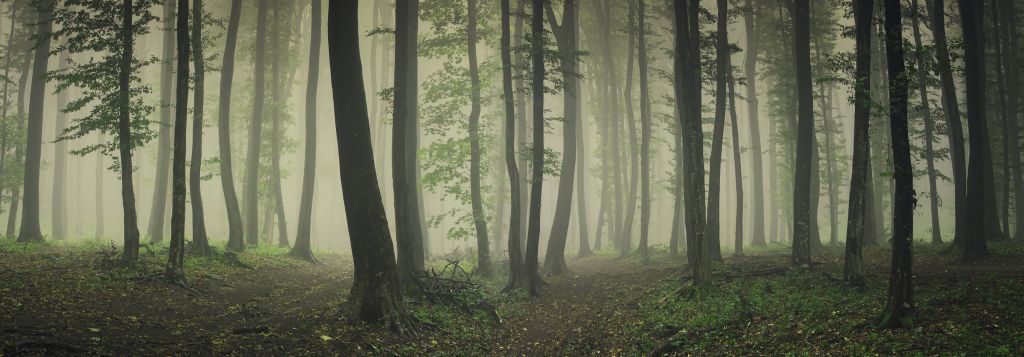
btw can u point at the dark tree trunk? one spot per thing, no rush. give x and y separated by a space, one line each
175 270
124 135
565 37
645 134
951 107
302 248
750 65
376 293
517 272
521 125
975 245
678 220
409 233
533 228
58 207
200 242
236 239
1005 24
99 190
718 133
929 125
581 167
899 311
19 150
276 130
483 248
252 158
830 163
30 230
626 234
687 91
736 157
805 136
158 212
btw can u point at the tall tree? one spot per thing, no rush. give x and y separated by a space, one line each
975 245
750 70
480 221
929 125
857 213
405 132
645 134
302 248
236 240
277 131
376 293
951 106
565 38
58 201
804 136
158 212
175 269
899 311
737 164
30 230
200 242
1008 12
517 272
718 133
536 190
124 136
252 158
626 232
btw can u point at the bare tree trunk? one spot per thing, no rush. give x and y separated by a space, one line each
517 272
124 135
533 232
30 230
929 126
200 242
718 133
252 160
975 245
479 219
58 207
236 239
158 212
736 157
302 248
554 260
277 132
645 135
750 64
175 270
100 232
857 213
805 137
634 150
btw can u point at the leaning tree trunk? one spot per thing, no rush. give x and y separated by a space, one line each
634 150
302 248
805 137
30 230
58 208
975 245
252 160
533 228
158 212
554 259
236 240
736 157
483 249
175 269
517 272
124 136
951 106
718 134
200 242
376 293
899 311
929 126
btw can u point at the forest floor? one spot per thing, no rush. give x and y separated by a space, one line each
60 298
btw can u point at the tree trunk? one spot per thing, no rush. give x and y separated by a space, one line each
750 69
124 135
252 160
158 213
277 132
19 150
975 245
405 131
517 272
581 167
899 311
200 242
175 270
736 157
376 293
805 137
302 248
58 207
634 150
483 249
718 134
951 107
929 126
554 259
100 232
236 239
1012 32
533 231
523 122
645 135
30 230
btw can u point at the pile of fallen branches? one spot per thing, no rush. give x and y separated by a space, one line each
453 285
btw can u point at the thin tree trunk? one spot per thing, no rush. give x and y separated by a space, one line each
175 270
58 207
634 150
483 249
718 134
131 219
554 260
200 242
951 107
645 135
929 126
30 230
302 248
277 132
533 231
252 160
750 69
736 157
236 239
517 272
158 212
100 232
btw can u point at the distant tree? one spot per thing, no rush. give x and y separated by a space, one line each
480 221
853 271
158 213
899 310
175 270
302 248
805 136
645 134
974 244
929 125
252 158
718 133
750 69
58 203
376 293
517 271
30 230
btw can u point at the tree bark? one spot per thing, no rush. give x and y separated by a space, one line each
124 135
750 64
951 107
736 157
158 212
376 293
483 249
405 131
252 160
58 207
533 228
805 137
175 269
200 242
645 135
517 272
302 248
236 239
975 245
929 125
554 259
718 133
30 230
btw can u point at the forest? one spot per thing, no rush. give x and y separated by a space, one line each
511 177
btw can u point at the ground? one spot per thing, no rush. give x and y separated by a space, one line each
66 299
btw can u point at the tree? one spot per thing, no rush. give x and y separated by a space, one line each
899 311
645 134
175 269
236 240
376 293
718 134
405 132
276 131
517 271
750 68
124 137
736 150
853 272
252 160
565 37
58 206
929 125
975 245
626 231
302 248
480 221
533 227
200 242
30 230
1008 14
804 136
158 213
